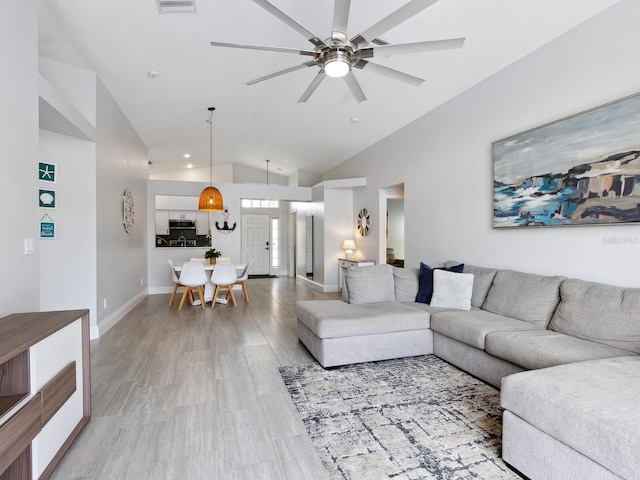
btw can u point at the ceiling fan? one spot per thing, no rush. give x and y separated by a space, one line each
337 56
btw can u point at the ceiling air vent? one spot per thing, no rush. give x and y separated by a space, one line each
176 6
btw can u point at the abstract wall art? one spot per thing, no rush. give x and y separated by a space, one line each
581 170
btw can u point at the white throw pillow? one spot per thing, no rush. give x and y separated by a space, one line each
452 290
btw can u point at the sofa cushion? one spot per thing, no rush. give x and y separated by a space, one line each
590 406
334 318
371 284
525 296
482 281
542 348
425 283
405 281
600 313
472 327
452 290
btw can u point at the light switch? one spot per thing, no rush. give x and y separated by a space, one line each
28 247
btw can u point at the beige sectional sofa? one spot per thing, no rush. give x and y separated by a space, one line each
564 352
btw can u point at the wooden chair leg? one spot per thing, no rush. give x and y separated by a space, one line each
201 293
233 297
244 290
173 295
187 290
215 295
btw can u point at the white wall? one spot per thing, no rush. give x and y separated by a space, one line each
68 267
121 257
19 287
444 160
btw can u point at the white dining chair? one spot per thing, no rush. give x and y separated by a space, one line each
192 277
176 282
242 278
223 277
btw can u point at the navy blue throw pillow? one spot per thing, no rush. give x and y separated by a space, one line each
425 280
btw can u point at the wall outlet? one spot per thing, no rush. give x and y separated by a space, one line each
105 303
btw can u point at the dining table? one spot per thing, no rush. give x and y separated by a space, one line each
209 287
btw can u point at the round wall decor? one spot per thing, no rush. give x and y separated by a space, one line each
364 222
128 211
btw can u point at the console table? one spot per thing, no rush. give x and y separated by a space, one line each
45 390
344 265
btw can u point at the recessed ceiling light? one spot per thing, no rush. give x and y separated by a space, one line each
355 119
189 165
186 155
153 73
176 6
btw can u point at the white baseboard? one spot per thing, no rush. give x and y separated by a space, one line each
319 286
116 316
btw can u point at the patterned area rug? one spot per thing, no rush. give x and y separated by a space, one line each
411 418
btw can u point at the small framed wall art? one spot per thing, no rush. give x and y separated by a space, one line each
47 172
47 198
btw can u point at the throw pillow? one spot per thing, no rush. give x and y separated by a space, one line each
452 290
371 284
425 282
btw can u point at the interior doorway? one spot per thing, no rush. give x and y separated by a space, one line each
392 241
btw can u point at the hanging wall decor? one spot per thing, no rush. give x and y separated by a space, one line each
47 198
364 222
47 227
581 170
128 211
225 227
47 172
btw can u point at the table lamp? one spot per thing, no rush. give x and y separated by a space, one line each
348 246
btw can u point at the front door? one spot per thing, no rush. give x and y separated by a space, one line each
256 243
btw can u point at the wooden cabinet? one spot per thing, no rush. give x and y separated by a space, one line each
45 390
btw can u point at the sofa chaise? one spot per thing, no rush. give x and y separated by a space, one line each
565 353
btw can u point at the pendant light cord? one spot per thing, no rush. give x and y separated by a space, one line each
210 122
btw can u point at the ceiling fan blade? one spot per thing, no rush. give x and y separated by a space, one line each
389 72
263 47
340 19
281 72
392 20
354 86
312 86
418 47
283 17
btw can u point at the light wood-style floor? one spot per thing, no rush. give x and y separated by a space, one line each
196 394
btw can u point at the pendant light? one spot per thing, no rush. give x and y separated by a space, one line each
211 198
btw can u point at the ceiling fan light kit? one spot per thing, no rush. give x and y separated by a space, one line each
337 57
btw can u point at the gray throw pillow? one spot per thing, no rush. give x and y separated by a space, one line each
405 284
371 284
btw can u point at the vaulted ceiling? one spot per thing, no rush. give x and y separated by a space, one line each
124 40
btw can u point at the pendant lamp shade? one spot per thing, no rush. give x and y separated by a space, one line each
211 198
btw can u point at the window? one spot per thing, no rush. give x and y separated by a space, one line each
259 203
275 242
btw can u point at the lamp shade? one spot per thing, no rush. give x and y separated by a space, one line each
348 245
211 200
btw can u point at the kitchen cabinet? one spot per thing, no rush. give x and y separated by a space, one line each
182 215
162 222
45 393
202 223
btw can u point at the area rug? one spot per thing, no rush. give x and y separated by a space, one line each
412 418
